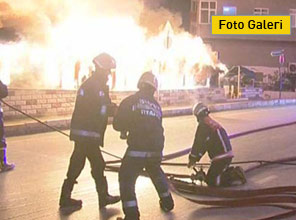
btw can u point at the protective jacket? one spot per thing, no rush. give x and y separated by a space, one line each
3 145
90 116
3 92
141 116
213 141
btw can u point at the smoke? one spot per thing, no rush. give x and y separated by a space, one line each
155 20
155 15
29 30
33 19
27 23
41 40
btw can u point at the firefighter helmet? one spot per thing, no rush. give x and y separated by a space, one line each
104 61
148 78
200 109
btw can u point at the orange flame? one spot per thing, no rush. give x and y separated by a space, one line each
176 59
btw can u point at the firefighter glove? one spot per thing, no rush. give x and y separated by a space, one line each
192 159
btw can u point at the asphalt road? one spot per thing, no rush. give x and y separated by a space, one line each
32 190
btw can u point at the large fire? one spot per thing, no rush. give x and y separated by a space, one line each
71 40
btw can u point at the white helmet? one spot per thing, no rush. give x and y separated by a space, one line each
148 78
200 109
104 61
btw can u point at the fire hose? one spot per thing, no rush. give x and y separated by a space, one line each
51 127
274 196
165 157
225 198
228 198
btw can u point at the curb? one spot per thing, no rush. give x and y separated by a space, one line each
251 104
64 124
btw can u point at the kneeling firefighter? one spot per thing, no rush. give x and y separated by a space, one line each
88 125
140 116
211 137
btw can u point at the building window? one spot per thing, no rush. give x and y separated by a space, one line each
229 10
261 11
194 5
293 18
207 9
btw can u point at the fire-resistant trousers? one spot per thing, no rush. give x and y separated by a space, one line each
2 140
130 169
92 152
214 175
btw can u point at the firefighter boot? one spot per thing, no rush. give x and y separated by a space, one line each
65 200
104 197
240 174
128 218
4 166
166 203
227 177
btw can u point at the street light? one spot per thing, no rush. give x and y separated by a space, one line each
281 55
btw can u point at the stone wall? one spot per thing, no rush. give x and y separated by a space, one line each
61 102
275 95
39 102
251 93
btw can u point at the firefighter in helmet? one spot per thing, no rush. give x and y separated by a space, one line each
211 137
140 117
89 121
4 165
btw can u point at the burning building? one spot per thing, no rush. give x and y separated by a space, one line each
41 43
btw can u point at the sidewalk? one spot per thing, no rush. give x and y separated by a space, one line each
28 126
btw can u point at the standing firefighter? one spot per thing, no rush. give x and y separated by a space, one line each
211 137
4 166
140 117
88 125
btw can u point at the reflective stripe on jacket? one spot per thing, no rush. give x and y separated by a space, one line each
89 119
215 142
84 133
140 116
143 154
